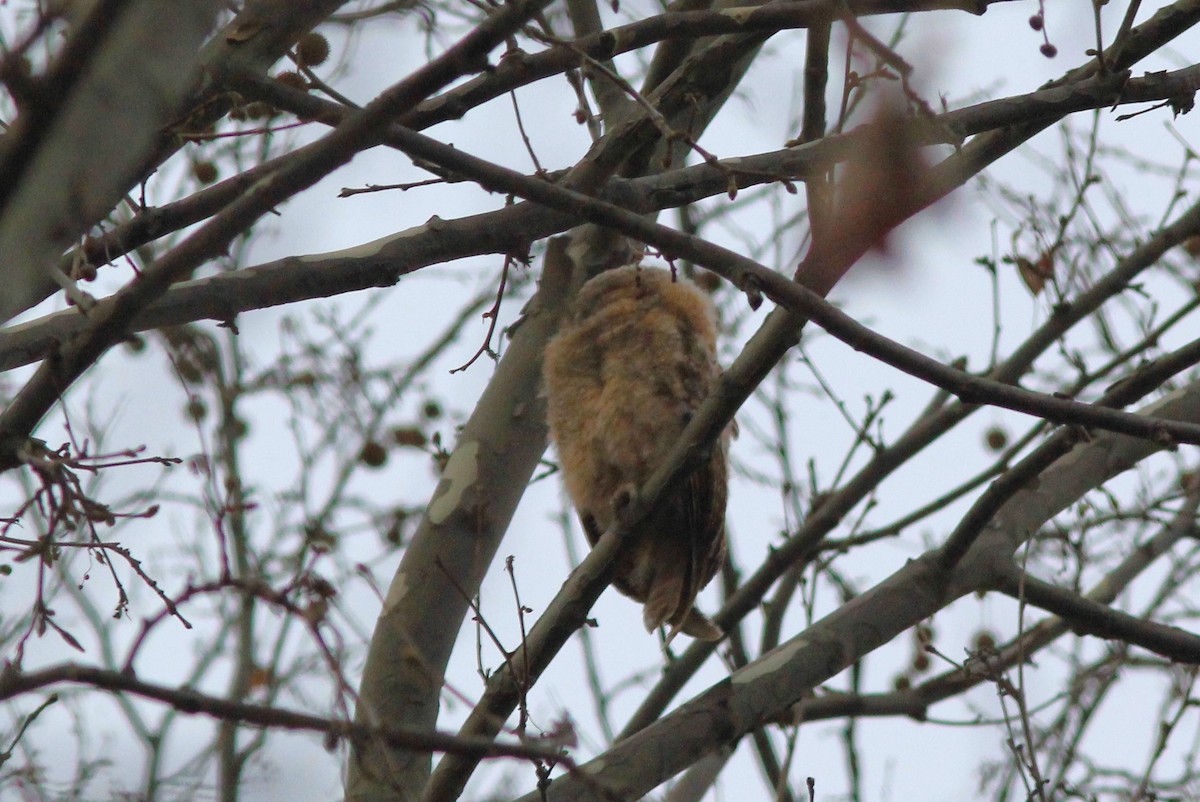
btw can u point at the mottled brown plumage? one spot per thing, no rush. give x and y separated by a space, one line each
623 378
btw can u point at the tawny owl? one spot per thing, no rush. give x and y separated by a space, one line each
623 378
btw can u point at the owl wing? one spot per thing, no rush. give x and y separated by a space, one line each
706 491
687 549
704 503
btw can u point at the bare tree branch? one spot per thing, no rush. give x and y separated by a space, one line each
131 69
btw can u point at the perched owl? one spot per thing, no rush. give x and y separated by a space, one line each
623 378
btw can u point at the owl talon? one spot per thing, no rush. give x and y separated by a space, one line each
623 499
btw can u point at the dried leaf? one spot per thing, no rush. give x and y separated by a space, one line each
1035 274
259 678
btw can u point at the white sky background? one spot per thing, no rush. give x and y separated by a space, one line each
929 293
